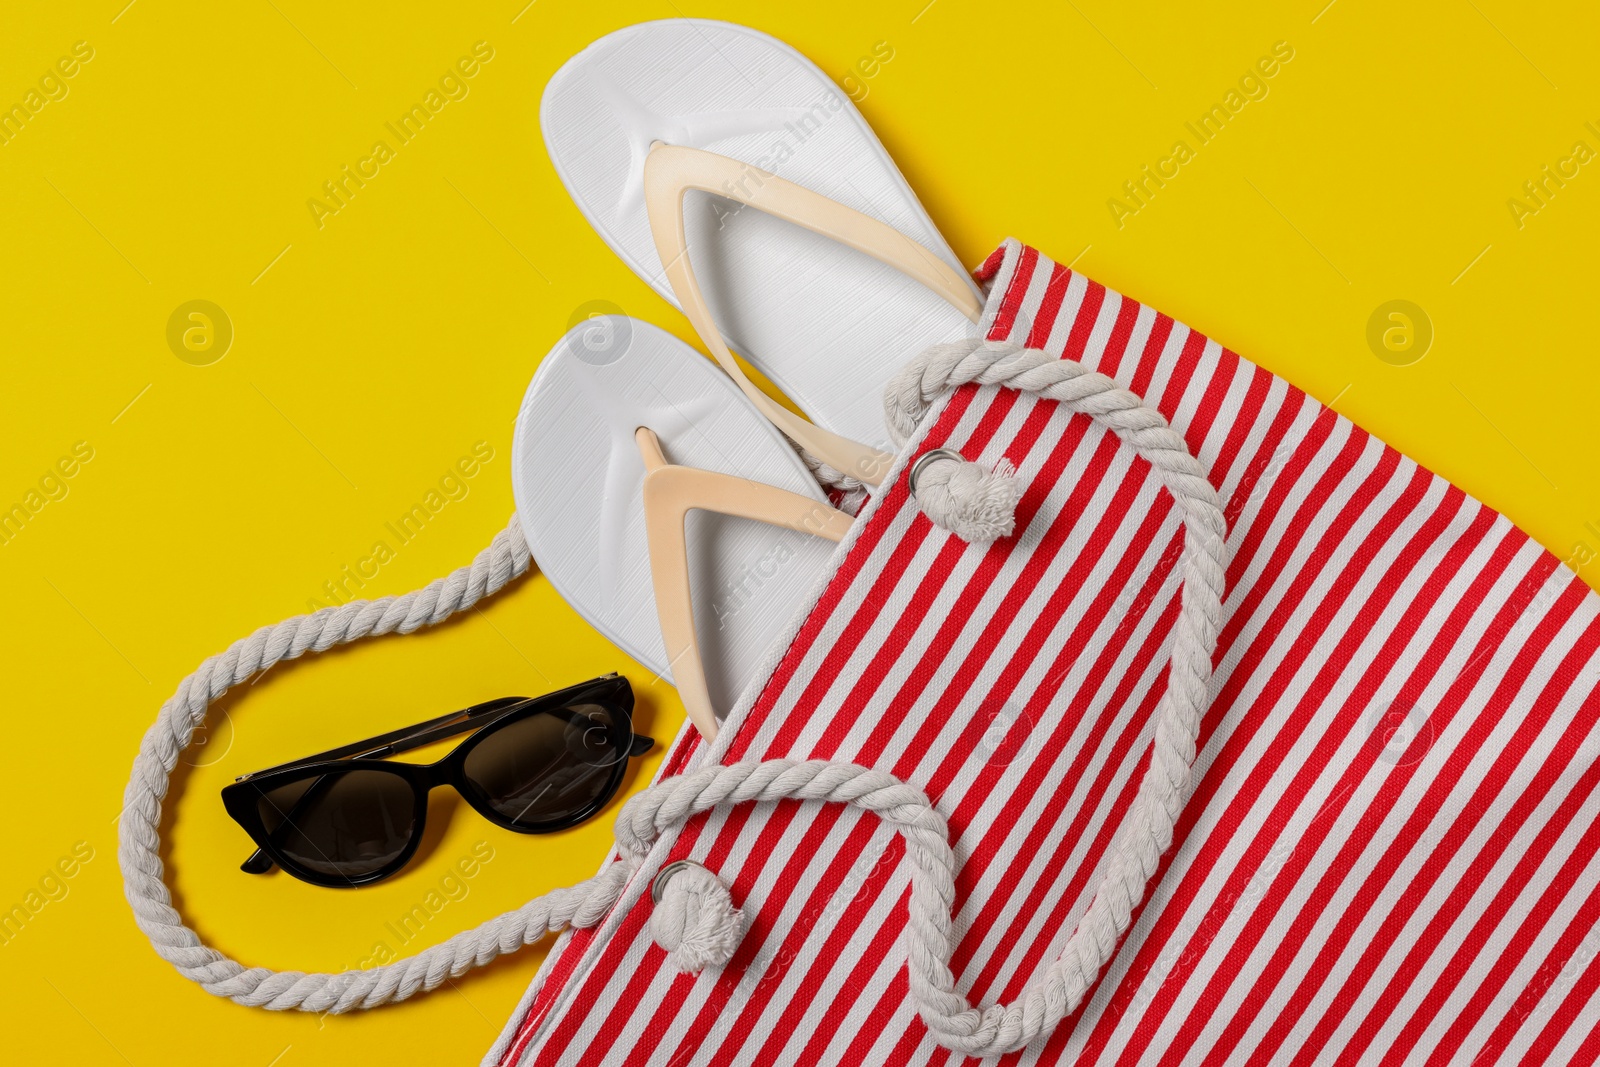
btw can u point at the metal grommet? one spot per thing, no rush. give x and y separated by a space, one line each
926 458
664 875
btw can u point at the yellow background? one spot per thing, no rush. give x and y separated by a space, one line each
370 354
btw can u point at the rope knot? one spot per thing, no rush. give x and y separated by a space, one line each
976 504
694 918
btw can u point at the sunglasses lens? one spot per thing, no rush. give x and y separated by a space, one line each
345 824
549 768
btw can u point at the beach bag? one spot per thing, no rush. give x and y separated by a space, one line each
1386 846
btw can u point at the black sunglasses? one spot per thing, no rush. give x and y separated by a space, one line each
350 816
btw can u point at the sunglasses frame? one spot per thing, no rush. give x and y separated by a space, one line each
242 798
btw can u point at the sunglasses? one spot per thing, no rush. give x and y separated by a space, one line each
350 816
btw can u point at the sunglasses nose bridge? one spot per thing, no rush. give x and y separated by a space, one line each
433 775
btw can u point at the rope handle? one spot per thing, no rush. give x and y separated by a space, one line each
1147 831
139 839
698 917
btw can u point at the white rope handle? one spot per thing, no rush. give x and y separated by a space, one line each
953 1021
138 842
1147 831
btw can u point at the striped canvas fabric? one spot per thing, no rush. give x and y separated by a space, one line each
1389 853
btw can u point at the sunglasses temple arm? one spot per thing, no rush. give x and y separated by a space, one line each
444 726
428 736
424 737
409 737
258 863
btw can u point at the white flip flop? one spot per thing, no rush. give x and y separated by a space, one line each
814 258
637 467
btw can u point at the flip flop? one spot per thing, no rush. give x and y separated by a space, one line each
814 257
638 468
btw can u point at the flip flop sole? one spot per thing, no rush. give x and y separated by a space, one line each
577 477
827 324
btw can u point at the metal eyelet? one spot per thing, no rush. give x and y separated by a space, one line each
923 460
664 875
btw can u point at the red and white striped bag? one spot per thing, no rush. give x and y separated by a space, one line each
1389 847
